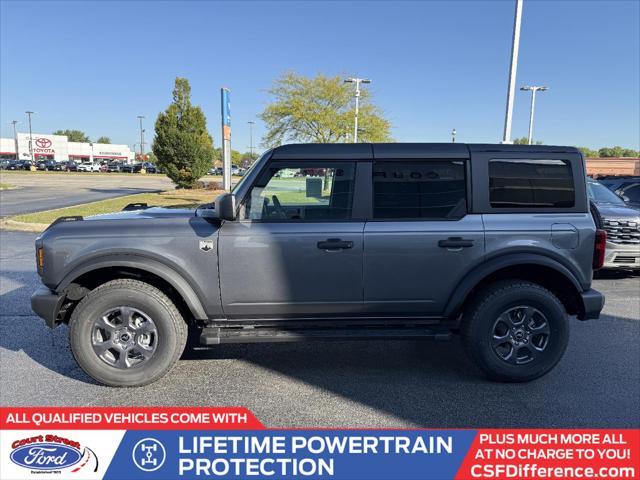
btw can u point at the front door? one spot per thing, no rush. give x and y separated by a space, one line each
294 250
421 241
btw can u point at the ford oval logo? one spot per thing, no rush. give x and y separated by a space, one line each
45 456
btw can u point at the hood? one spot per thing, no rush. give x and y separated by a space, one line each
608 210
152 212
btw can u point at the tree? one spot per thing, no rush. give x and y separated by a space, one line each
320 110
525 141
611 151
182 144
588 153
628 152
73 135
103 140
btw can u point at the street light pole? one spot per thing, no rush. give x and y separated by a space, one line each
357 81
30 135
251 123
453 136
515 45
141 117
533 89
15 136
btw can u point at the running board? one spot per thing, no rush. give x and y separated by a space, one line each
217 335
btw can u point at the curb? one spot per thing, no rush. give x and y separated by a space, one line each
6 224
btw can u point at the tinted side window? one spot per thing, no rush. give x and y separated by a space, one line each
419 190
631 193
519 183
297 192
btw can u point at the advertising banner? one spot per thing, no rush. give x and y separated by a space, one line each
183 442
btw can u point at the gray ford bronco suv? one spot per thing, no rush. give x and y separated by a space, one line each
496 243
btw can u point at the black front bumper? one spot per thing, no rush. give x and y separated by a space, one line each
46 304
592 304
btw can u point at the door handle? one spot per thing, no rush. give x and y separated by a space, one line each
335 244
456 242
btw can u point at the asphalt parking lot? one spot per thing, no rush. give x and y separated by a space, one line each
339 384
44 191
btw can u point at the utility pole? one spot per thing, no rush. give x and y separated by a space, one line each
515 45
141 117
15 136
533 89
30 135
251 123
357 81
453 136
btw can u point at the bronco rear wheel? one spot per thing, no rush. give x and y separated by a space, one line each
126 333
515 331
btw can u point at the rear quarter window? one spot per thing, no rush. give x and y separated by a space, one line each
531 183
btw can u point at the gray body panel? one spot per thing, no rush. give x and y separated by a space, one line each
406 272
276 269
566 238
167 244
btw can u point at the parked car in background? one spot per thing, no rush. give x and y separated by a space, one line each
46 165
5 163
114 167
71 166
622 224
627 188
131 168
19 165
149 167
59 166
88 167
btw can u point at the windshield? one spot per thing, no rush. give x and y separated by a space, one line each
601 194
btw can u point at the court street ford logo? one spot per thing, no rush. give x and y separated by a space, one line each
43 142
45 453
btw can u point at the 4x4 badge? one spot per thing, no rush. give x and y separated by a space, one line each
206 245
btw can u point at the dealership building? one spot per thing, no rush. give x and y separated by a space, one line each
60 149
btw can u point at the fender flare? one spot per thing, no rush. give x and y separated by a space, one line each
139 262
480 272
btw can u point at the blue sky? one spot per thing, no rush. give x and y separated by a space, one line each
435 65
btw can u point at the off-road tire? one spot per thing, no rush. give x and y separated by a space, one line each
477 329
171 330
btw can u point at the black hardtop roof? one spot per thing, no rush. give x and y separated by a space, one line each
362 151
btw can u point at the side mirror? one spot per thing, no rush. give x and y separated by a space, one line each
226 206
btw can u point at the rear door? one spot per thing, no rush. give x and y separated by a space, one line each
421 240
296 249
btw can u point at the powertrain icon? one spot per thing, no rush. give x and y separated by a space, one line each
149 454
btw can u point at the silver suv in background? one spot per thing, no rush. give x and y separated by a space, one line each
622 225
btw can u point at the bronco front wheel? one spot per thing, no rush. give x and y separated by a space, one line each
126 333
